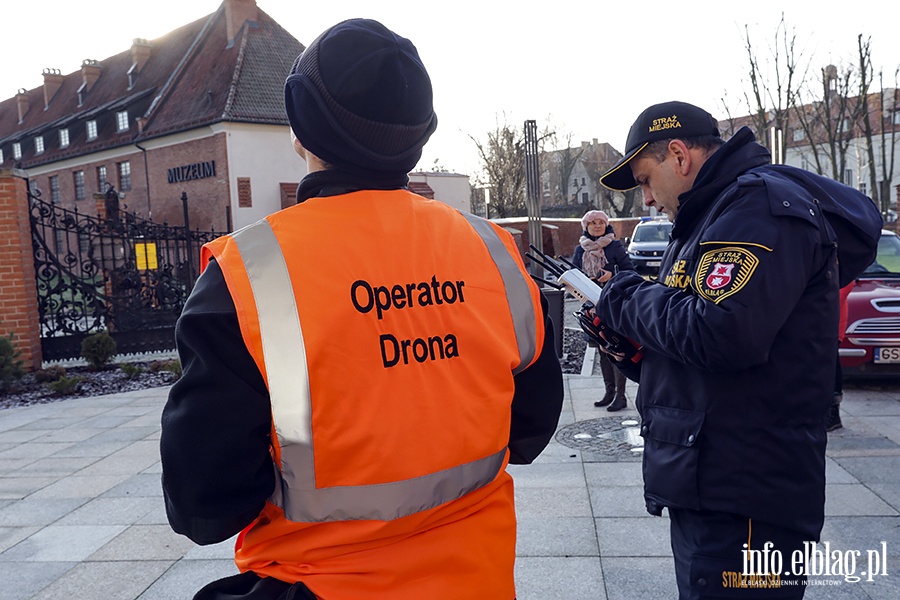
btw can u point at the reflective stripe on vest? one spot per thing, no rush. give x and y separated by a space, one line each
288 382
517 294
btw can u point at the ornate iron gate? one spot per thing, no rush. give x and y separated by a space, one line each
113 272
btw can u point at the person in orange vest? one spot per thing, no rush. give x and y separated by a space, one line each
359 369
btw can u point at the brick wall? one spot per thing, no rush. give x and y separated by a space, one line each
18 289
208 198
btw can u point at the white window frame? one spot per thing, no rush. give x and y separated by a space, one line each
64 138
91 129
798 134
123 172
54 188
122 121
38 144
1 156
101 182
897 117
17 150
78 183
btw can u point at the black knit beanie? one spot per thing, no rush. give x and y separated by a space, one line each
360 99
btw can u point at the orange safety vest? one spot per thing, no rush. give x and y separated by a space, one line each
389 361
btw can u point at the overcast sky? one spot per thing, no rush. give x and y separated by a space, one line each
587 67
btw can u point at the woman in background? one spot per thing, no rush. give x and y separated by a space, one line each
600 255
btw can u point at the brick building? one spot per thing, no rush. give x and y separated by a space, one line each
197 111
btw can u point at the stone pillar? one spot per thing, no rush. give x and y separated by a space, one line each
18 286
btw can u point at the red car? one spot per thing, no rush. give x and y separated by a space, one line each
871 346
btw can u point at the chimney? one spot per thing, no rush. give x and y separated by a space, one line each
22 103
140 53
53 80
90 73
830 74
236 12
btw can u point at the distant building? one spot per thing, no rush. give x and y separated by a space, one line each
449 188
199 111
570 182
805 130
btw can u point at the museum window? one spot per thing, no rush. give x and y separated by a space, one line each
91 127
1 156
124 175
78 178
17 150
39 144
122 121
54 189
101 179
64 138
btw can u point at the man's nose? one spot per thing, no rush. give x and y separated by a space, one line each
648 197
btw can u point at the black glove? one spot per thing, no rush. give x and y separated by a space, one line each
608 340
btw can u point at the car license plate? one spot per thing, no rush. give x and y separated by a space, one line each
653 263
887 355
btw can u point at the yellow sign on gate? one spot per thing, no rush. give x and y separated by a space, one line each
145 255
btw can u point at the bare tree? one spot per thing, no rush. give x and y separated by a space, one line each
829 124
770 97
866 73
621 204
502 157
888 141
883 128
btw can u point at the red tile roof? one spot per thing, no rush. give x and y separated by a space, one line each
193 77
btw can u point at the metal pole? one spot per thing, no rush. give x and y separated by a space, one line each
532 199
187 237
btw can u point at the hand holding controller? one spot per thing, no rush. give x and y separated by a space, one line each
608 340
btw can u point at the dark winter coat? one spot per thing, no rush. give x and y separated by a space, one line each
738 336
616 256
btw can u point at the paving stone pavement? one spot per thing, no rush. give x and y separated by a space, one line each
82 517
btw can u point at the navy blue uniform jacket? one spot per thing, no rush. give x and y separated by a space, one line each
738 335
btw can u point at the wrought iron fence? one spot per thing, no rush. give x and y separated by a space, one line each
117 273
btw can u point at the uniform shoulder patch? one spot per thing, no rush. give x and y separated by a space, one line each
723 272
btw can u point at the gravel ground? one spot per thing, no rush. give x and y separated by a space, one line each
113 379
573 351
109 380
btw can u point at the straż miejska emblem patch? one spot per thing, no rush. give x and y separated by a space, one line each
723 272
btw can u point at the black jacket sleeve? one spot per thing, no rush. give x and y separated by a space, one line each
217 470
537 401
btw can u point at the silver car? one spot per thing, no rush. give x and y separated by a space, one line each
647 243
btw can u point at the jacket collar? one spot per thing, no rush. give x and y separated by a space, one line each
332 182
736 156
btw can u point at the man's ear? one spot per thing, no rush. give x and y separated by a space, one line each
682 155
298 148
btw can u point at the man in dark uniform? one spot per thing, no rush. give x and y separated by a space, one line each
738 337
